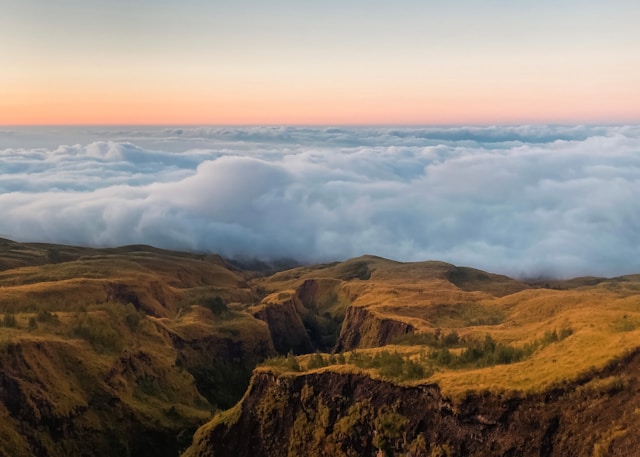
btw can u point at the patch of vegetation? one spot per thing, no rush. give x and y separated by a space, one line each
626 323
99 334
288 362
353 270
389 428
317 361
435 339
364 426
215 304
9 320
390 365
47 317
489 352
395 366
230 416
470 279
132 317
222 382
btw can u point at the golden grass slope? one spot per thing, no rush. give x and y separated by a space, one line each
602 314
158 281
114 345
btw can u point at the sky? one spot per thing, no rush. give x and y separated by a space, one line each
292 62
527 201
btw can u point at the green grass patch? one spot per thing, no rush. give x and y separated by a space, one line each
102 336
488 352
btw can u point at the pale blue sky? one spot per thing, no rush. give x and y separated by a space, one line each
293 48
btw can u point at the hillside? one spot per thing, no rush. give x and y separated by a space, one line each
530 369
118 351
127 351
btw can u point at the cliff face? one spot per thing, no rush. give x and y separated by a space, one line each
285 325
303 329
363 328
307 318
345 414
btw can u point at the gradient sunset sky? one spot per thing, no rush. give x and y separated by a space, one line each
322 62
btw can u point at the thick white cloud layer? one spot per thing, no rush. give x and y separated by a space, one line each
525 201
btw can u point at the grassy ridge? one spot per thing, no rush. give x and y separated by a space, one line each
541 334
121 345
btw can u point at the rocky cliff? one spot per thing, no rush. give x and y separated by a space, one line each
329 413
363 328
285 326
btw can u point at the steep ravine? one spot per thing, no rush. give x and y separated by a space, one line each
328 413
319 315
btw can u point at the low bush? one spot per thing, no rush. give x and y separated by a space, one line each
435 339
489 352
215 304
390 365
9 320
46 316
101 336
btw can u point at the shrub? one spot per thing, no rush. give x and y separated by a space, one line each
490 352
442 356
45 316
132 317
317 361
292 362
215 304
102 337
9 320
413 370
390 365
435 340
565 332
389 426
550 337
451 339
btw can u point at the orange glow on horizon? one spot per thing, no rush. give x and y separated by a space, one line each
323 107
305 63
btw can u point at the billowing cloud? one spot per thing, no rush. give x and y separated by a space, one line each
525 201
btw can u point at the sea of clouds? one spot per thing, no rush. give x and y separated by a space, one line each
521 200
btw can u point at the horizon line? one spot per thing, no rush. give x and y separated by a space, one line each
324 125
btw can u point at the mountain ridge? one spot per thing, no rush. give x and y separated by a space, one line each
161 340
